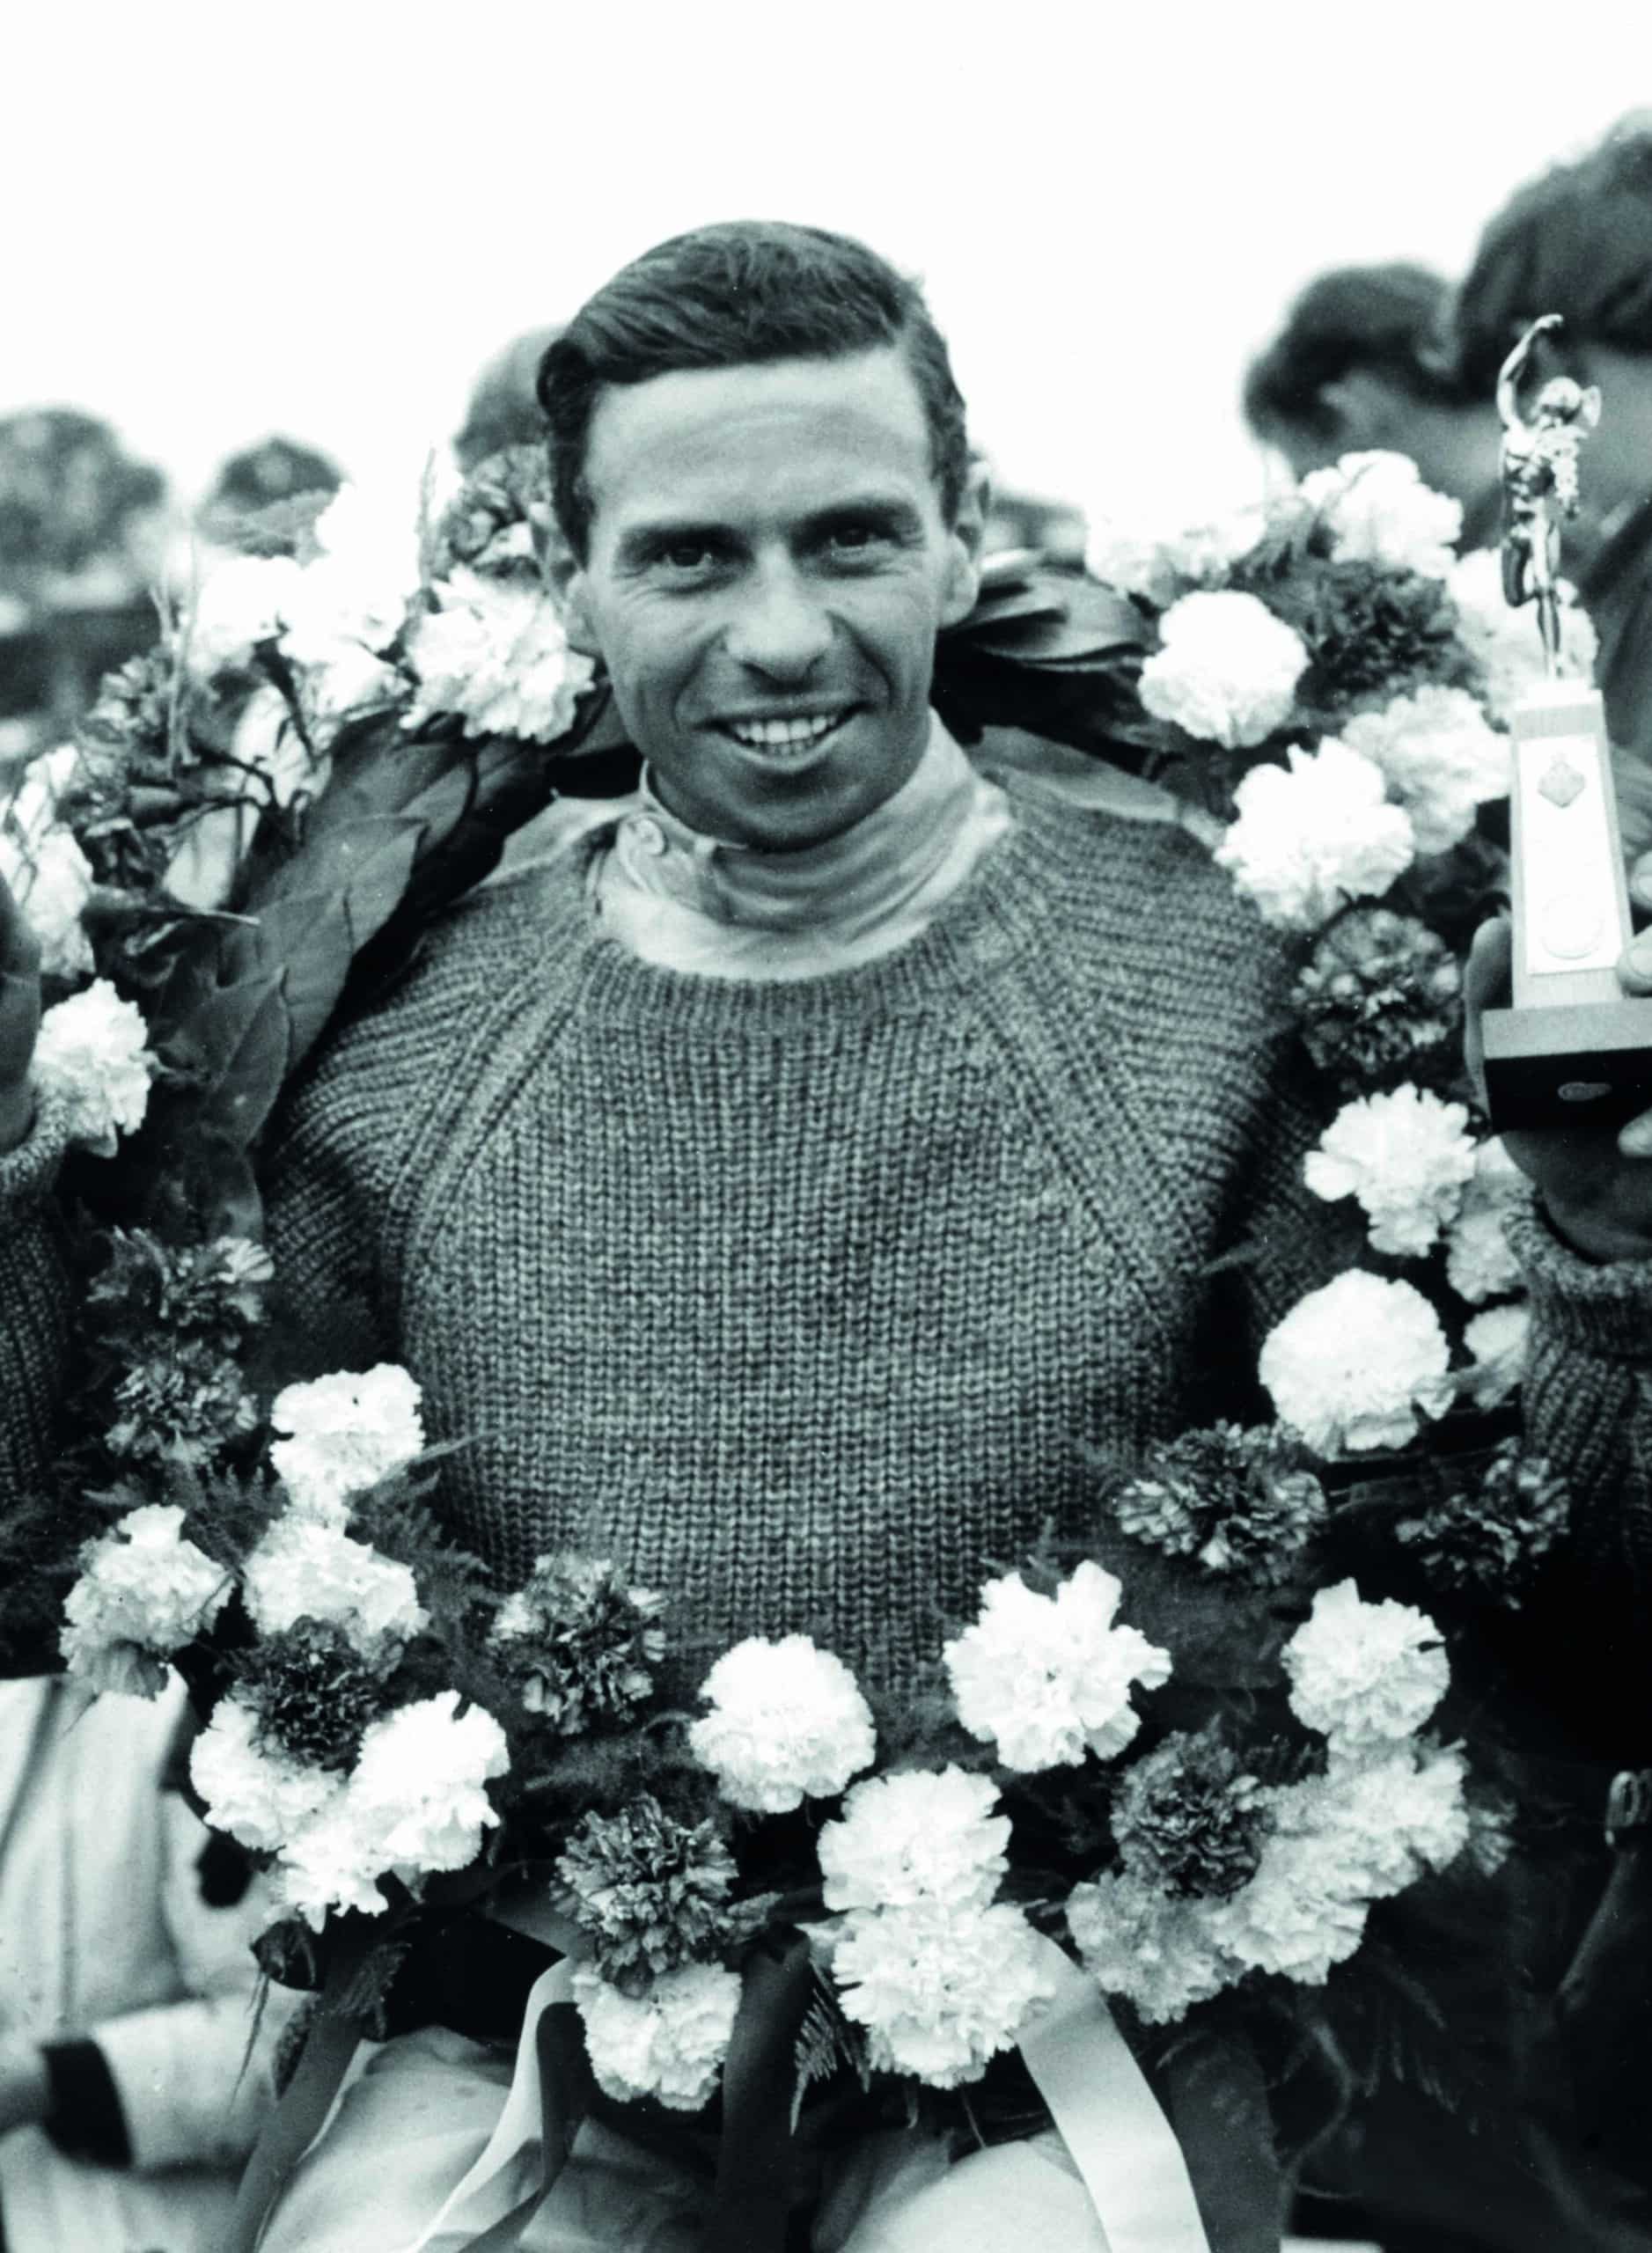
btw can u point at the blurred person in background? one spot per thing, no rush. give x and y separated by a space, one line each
504 408
260 477
81 536
1578 242
133 2076
1363 364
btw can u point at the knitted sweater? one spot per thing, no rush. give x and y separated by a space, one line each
964 1200
802 1299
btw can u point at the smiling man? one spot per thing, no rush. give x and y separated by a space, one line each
768 554
791 1178
787 1182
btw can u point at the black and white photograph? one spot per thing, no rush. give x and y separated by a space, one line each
825 1129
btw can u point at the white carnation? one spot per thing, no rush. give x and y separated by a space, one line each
1479 1264
41 863
344 680
1299 1914
1227 669
417 1788
330 1863
1394 1813
1159 568
357 589
1506 641
669 2043
1141 1942
1442 759
144 1591
495 652
1378 510
1498 1339
344 1434
261 1796
52 892
787 1724
1406 1156
1365 1674
238 606
1206 553
306 1569
919 1835
1366 1829
1315 835
413 1803
1355 1364
940 1990
92 1051
1131 560
1048 1678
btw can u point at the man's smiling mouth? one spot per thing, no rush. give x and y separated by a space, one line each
791 736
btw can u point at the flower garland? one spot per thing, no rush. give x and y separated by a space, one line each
1333 686
354 669
1194 1757
388 1720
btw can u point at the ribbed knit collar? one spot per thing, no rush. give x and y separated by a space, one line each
839 891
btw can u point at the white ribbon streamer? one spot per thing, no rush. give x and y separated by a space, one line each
1124 2147
468 2211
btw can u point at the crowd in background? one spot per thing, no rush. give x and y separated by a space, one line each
142 2070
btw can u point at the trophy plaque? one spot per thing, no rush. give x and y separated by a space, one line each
1573 1050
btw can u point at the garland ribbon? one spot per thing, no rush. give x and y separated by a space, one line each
547 2098
1124 2147
757 2156
306 2103
542 2115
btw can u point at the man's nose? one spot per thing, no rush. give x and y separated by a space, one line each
780 628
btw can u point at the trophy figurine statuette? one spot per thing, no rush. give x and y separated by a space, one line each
1573 1050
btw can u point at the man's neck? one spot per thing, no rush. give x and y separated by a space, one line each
838 877
697 903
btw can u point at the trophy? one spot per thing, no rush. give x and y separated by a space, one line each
1574 1051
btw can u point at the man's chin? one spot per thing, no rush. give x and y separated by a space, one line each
777 797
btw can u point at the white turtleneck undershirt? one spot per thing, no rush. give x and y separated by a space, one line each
699 904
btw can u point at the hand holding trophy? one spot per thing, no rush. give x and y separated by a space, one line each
1574 1051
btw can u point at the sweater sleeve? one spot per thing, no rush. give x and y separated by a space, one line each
1294 1242
34 1303
327 1182
1588 1395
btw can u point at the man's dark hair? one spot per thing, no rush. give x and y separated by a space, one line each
1577 242
725 296
1391 320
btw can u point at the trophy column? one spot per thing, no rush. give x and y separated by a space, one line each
1573 1050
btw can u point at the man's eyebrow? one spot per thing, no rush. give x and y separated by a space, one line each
892 509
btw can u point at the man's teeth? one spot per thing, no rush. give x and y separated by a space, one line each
769 735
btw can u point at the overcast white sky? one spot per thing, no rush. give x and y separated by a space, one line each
226 220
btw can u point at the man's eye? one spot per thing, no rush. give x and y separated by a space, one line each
854 541
687 556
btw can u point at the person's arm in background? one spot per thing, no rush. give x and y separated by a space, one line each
186 2081
1585 1241
34 1290
191 2083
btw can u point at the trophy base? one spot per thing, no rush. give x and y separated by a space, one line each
1586 1068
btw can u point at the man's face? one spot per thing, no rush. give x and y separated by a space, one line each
768 568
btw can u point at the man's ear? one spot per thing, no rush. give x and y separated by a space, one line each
965 542
570 583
